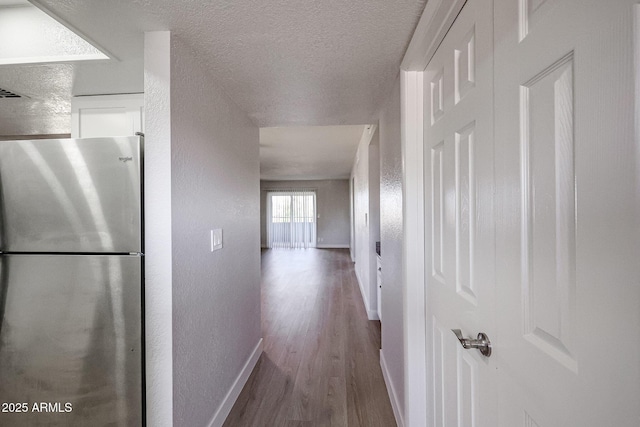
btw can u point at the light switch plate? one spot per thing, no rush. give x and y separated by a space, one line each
216 239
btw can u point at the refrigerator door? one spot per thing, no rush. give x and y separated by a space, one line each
71 195
70 340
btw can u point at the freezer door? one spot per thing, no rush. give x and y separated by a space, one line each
71 195
70 340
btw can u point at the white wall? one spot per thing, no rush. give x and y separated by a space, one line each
364 243
392 353
158 255
216 295
332 199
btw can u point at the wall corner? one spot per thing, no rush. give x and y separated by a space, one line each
158 255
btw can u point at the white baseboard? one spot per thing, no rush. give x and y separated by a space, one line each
362 293
393 396
320 246
231 397
371 314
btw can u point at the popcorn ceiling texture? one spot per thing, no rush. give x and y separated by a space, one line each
283 62
308 152
47 110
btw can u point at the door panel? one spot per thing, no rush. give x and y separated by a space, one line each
71 195
549 222
70 332
557 79
459 219
568 347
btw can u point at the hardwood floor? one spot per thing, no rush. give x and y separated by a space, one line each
320 365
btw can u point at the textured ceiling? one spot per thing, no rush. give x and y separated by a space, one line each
28 35
294 63
284 62
308 152
47 108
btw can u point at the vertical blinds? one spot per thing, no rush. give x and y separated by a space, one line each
291 219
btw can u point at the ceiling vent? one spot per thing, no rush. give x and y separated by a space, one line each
8 94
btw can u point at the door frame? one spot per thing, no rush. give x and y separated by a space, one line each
436 19
352 193
434 24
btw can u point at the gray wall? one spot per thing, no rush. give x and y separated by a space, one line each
391 242
332 199
365 167
374 216
215 184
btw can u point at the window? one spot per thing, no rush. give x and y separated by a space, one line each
291 219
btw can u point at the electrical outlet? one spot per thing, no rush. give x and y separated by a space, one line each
216 239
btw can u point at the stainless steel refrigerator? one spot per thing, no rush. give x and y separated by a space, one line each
71 282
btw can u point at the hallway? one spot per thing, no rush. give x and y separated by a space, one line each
320 365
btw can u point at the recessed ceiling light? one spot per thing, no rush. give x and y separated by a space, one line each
29 36
4 3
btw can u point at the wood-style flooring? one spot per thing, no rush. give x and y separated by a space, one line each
320 365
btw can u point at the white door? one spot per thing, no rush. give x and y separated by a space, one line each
459 220
532 216
567 345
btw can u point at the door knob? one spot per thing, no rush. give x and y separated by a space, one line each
482 343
